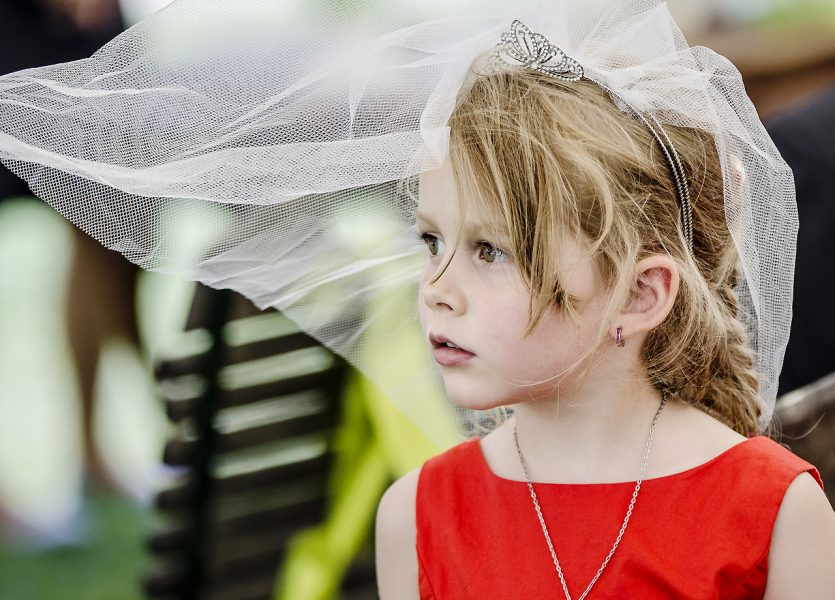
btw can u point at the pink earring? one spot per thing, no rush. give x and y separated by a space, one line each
619 341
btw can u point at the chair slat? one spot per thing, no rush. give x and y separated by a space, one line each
329 378
194 364
254 436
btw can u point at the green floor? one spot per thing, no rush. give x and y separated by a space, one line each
108 566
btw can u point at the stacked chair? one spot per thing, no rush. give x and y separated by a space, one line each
254 403
805 419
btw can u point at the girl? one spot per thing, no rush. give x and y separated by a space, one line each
559 282
608 233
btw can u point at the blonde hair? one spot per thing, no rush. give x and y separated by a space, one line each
546 157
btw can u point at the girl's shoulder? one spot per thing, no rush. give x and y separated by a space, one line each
395 539
695 438
694 443
398 575
802 544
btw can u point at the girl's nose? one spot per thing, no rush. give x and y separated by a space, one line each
444 293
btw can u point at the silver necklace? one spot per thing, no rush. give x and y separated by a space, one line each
625 519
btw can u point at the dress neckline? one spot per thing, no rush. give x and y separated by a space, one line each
722 456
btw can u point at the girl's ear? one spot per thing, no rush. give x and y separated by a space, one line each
653 294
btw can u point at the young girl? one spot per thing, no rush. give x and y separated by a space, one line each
559 282
582 205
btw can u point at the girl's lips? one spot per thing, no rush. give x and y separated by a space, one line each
450 357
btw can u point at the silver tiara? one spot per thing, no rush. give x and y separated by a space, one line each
533 50
522 47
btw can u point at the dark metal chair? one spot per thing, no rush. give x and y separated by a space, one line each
255 402
806 421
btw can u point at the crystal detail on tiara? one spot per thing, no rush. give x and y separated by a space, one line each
534 51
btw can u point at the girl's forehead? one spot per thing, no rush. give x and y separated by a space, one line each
440 206
438 182
438 199
438 195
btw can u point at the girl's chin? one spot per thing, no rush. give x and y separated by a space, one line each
486 397
475 401
477 405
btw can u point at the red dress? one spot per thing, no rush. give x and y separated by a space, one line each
701 533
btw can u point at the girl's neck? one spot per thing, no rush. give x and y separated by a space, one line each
598 433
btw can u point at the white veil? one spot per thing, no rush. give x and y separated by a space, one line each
272 147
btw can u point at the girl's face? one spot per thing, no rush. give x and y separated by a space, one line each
474 316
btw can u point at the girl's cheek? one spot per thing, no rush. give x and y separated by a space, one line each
507 275
423 310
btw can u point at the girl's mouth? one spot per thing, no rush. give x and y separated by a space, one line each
447 353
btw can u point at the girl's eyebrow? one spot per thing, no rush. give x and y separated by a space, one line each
487 228
478 228
424 218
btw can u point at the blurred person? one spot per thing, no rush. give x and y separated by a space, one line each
100 295
803 136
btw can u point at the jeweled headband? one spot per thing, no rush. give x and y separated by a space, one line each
533 50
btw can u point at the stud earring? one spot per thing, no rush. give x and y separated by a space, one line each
619 341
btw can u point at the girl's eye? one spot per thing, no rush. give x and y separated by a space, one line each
490 253
432 243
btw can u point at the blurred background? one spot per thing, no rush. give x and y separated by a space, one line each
127 470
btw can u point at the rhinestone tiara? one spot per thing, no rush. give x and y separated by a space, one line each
522 47
533 50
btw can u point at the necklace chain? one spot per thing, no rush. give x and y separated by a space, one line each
625 518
